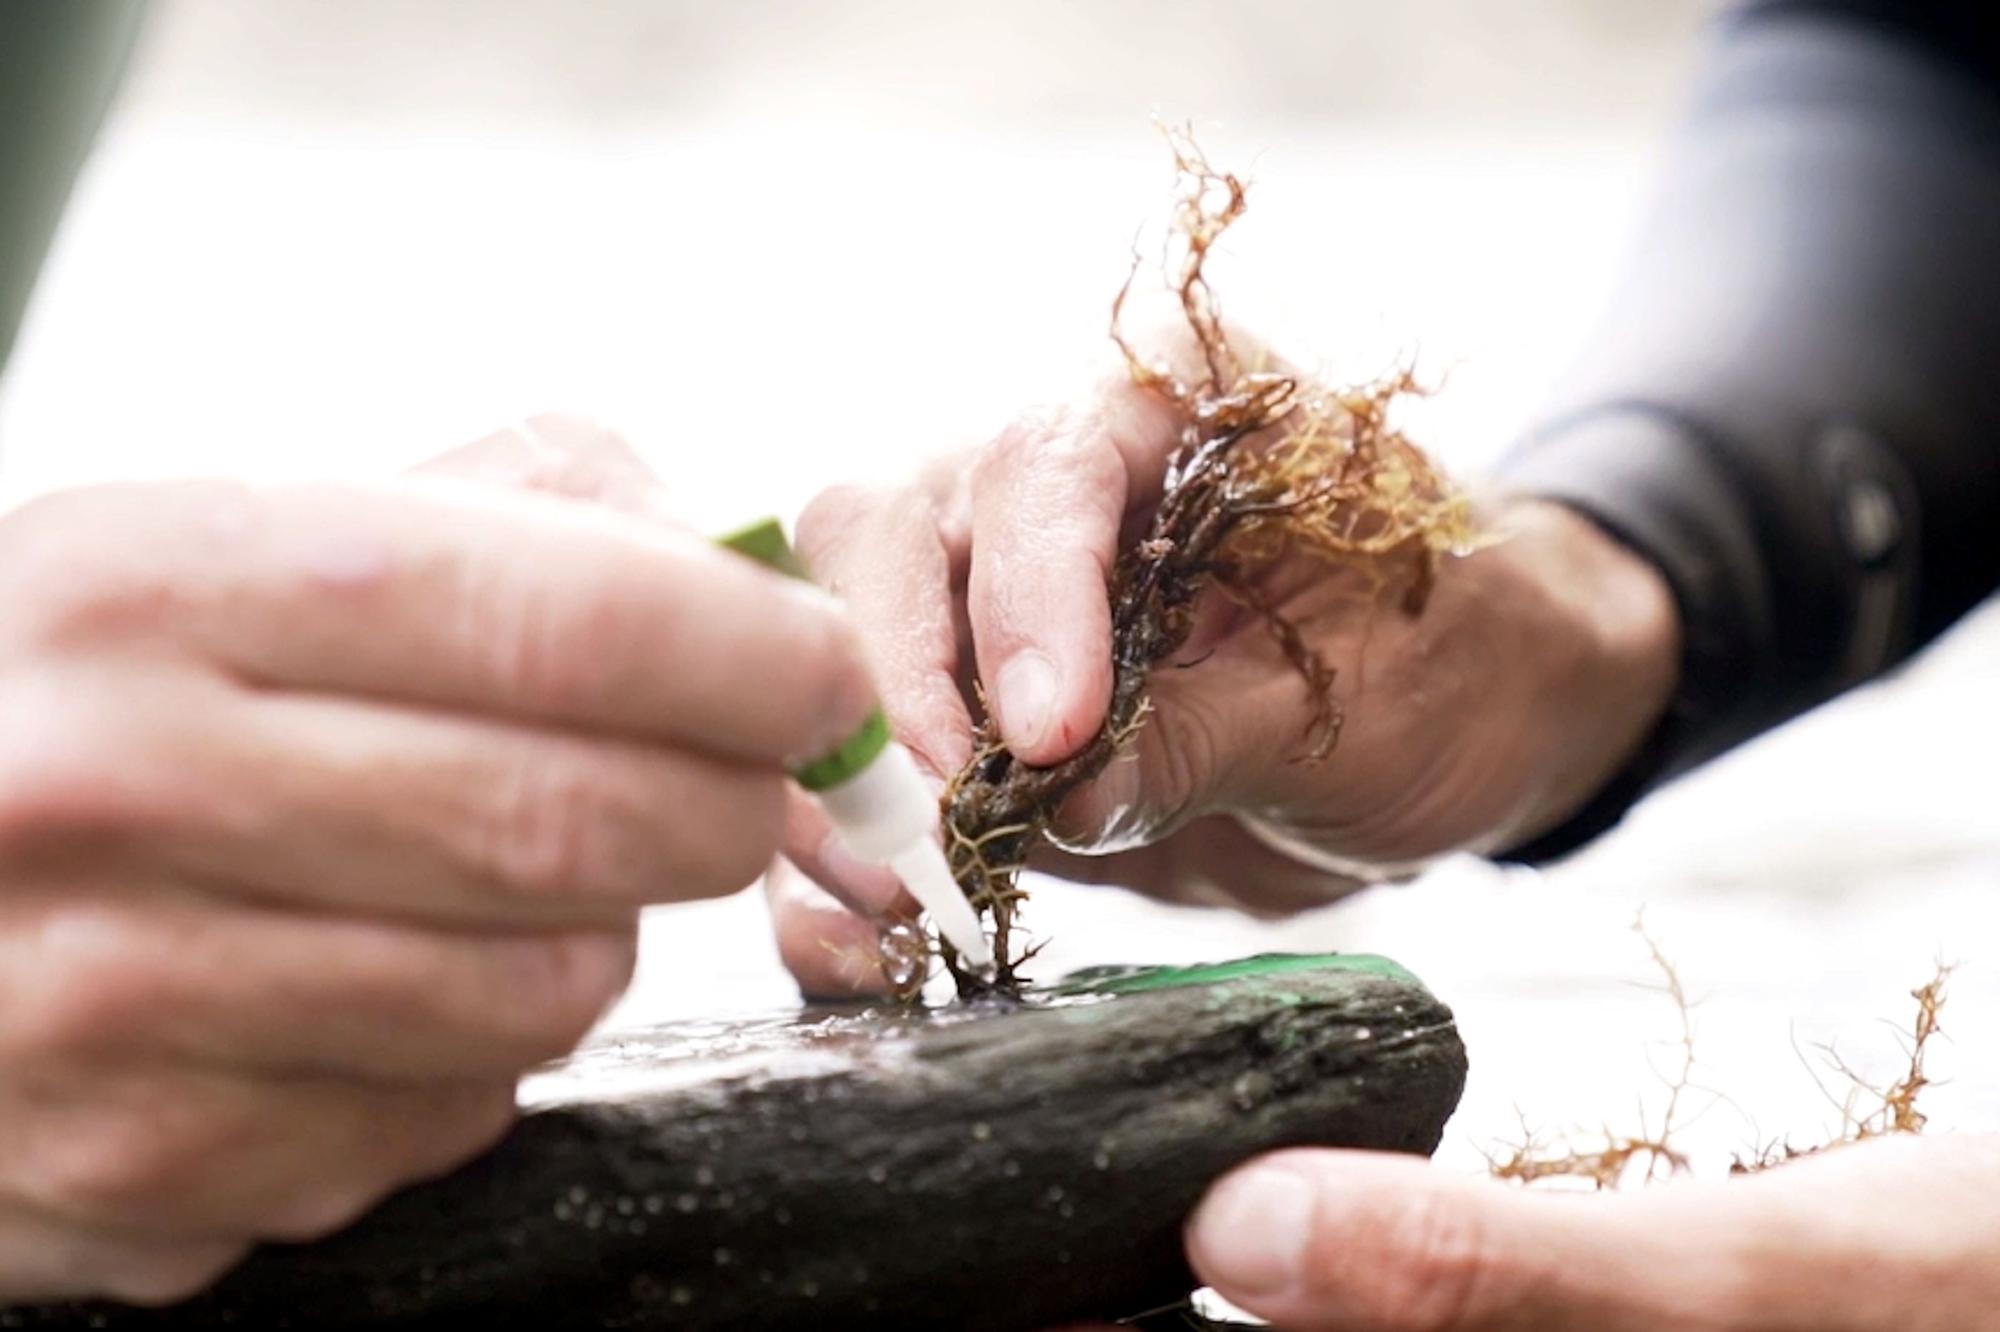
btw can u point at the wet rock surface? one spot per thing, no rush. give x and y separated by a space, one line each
992 1170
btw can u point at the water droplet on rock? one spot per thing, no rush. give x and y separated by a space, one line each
1250 1090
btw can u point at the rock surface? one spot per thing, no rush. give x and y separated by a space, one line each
983 1170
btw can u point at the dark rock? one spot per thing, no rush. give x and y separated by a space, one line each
989 1170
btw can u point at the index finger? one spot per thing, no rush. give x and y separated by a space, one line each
483 600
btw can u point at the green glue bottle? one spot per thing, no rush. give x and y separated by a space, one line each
873 794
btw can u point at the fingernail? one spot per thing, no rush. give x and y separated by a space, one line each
1027 698
866 887
1250 1236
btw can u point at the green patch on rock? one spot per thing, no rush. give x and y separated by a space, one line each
1137 980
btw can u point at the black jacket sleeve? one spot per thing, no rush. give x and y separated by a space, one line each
1793 406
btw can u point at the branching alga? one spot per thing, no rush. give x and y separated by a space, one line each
1612 1160
1269 466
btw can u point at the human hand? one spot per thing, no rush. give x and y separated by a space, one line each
1894 1232
327 811
1537 666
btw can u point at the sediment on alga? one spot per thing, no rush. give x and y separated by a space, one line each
996 1169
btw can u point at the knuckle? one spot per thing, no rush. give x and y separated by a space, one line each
830 516
1092 465
560 655
50 784
61 582
53 580
1057 466
626 829
539 651
578 455
548 833
1427 1261
115 1168
1051 428
97 985
1021 438
81 773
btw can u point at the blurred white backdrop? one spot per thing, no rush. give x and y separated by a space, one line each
783 243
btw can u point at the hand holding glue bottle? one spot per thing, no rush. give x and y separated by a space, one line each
873 794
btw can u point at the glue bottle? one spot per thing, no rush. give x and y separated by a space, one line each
873 794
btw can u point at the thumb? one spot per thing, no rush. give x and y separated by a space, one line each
1367 1242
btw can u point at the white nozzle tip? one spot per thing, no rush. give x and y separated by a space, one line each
924 872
